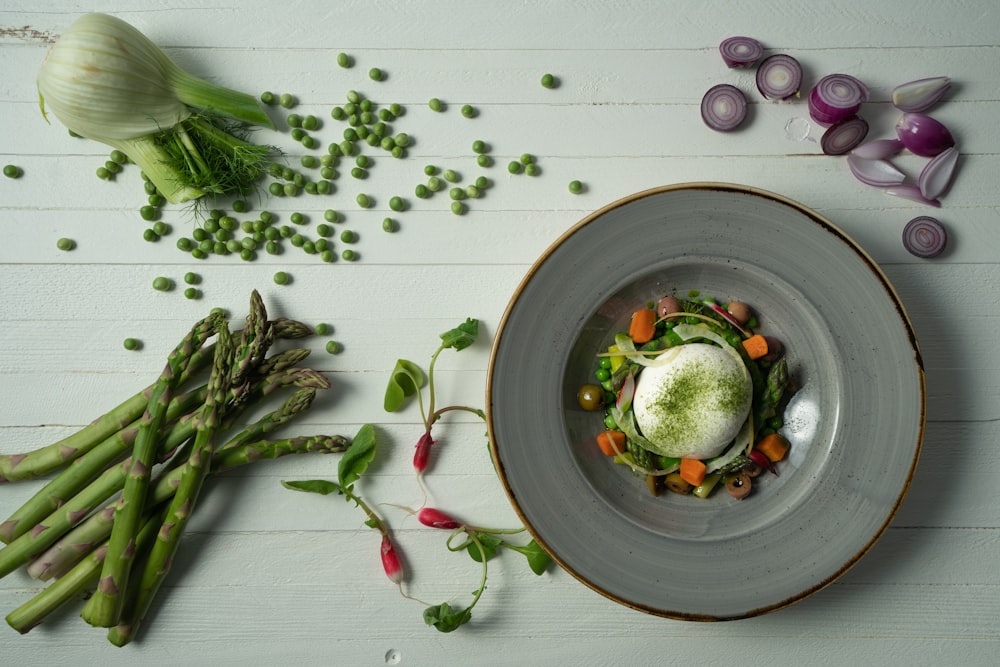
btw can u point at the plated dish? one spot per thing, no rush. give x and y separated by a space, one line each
855 423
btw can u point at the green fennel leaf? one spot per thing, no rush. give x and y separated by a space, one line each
407 378
461 336
445 619
355 460
320 486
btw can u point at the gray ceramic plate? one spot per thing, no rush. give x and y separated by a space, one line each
855 424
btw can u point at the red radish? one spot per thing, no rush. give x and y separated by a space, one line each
760 459
390 561
423 451
437 519
722 312
626 393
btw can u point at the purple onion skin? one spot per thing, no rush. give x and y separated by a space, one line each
724 123
936 176
913 193
920 95
923 135
829 141
734 60
925 237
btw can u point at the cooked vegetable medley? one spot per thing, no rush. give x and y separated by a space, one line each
692 397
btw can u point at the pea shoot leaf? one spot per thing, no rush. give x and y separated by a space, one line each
321 486
538 558
355 460
490 545
406 380
461 336
446 619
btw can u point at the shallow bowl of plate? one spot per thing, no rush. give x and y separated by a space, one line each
855 421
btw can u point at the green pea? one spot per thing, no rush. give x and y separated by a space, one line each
267 217
161 228
291 190
398 152
113 167
402 140
322 329
332 346
321 244
272 248
349 255
102 173
366 105
192 278
310 123
65 244
309 161
434 184
348 236
297 240
267 97
148 186
294 120
192 293
472 192
297 218
397 204
118 157
132 344
347 147
468 111
386 115
150 235
328 173
311 188
344 60
435 104
276 189
374 140
364 201
148 213
527 158
514 167
609 422
602 374
184 244
576 187
375 74
379 129
387 143
549 81
367 118
13 171
421 191
198 253
456 193
310 142
531 169
362 161
358 172
162 284
458 208
228 246
388 225
287 100
282 278
330 215
479 146
482 182
309 248
430 170
248 255
451 176
396 109
324 229
484 160
327 256
241 206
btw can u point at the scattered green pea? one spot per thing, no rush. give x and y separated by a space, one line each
358 172
514 167
328 173
321 244
531 169
576 187
337 113
456 193
148 212
282 278
430 170
272 248
294 120
375 74
388 225
472 192
102 172
435 104
240 206
310 142
309 161
287 100
434 184
118 157
267 97
451 176
479 146
276 189
332 346
402 140
482 182
310 123
549 81
344 60
527 158
162 284
192 293
330 215
132 344
468 110
398 152
309 247
185 244
349 255
13 171
458 208
150 235
421 191
297 218
161 228
322 329
65 244
484 160
192 278
348 236
364 201
397 204
291 190
324 229
113 167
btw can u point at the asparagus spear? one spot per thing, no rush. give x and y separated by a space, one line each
104 606
18 467
182 505
84 469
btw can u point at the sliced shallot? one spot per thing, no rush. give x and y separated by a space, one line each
844 135
779 77
935 177
925 236
923 135
913 193
880 173
920 95
741 51
724 107
879 149
836 97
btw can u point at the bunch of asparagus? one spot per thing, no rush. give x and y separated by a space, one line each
111 520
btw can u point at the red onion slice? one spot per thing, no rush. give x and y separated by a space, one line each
879 149
913 193
935 177
724 107
836 97
920 95
779 77
925 237
741 51
879 173
923 135
844 135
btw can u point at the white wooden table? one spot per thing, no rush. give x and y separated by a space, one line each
268 576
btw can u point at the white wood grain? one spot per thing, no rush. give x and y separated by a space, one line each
267 575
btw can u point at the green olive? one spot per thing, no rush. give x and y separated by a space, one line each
590 397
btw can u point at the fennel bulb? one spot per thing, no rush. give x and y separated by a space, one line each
106 81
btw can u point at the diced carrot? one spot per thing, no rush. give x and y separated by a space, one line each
692 471
755 346
609 439
774 446
642 328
